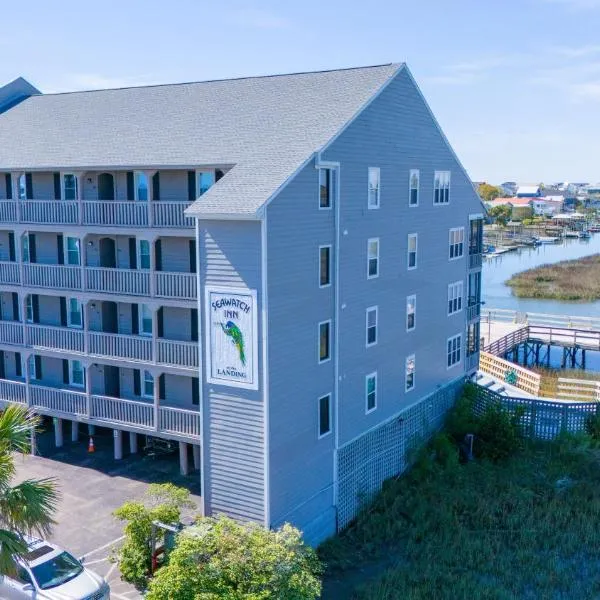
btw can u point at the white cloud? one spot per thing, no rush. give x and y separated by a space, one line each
577 52
586 91
576 4
260 19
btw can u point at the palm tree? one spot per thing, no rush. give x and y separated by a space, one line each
27 507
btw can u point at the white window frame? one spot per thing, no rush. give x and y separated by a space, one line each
139 250
330 414
407 360
412 299
375 258
375 391
66 239
455 297
410 187
22 180
451 351
377 190
63 187
143 333
199 173
319 359
443 179
70 323
458 245
329 261
72 371
33 375
414 236
331 187
136 177
370 310
143 382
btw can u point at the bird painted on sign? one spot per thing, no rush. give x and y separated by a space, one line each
233 331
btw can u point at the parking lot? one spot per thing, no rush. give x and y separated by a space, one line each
91 487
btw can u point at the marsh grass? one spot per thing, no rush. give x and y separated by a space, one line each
527 527
570 280
549 382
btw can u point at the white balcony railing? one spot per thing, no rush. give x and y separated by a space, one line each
170 214
117 281
129 213
179 421
53 400
59 212
176 285
13 391
120 346
9 273
8 211
52 276
55 338
118 410
179 354
11 332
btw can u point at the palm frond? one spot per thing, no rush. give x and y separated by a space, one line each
11 545
16 424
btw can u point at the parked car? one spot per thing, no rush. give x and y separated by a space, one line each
48 572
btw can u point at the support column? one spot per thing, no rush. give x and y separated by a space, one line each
133 442
58 432
196 450
183 458
156 398
118 443
91 429
74 431
154 331
79 176
150 175
88 390
14 178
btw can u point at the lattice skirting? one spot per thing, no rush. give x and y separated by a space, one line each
366 462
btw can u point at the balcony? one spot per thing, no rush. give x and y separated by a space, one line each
117 281
52 276
55 338
9 273
473 311
176 285
133 347
475 260
11 332
96 212
103 410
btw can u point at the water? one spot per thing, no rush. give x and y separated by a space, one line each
500 268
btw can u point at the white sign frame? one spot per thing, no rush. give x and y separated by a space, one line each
208 329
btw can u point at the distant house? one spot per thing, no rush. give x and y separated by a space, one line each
521 208
509 187
528 191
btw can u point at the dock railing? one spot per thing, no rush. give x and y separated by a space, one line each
513 374
534 318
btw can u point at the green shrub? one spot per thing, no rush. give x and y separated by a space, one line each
499 435
592 426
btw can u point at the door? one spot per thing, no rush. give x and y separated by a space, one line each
108 255
112 385
19 588
109 317
106 187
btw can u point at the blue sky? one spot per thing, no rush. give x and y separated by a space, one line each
515 84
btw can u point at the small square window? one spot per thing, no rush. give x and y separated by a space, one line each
412 251
374 179
144 247
456 242
324 341
455 297
371 392
411 312
441 187
325 188
454 350
409 377
324 266
324 415
148 385
371 326
413 190
373 258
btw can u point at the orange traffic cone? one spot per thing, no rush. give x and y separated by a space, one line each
91 448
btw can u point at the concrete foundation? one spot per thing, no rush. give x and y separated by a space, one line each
118 442
183 458
58 432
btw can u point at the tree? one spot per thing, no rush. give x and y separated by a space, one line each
221 559
501 214
27 507
489 192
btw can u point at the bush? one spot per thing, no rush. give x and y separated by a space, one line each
499 435
592 426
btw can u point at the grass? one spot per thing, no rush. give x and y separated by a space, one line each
526 527
567 280
549 382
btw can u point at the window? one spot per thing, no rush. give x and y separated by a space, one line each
457 242
29 308
148 385
76 373
69 186
324 266
455 293
74 313
32 367
371 392
25 246
473 338
22 187
324 415
413 188
412 250
324 341
141 186
475 236
454 346
145 320
411 312
474 288
371 326
72 245
409 373
204 181
325 188
441 187
373 258
374 178
144 246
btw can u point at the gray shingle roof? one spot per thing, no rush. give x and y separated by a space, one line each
265 126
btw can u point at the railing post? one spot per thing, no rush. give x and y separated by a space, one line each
156 401
88 391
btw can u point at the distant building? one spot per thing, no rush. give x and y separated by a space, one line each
509 187
521 208
528 191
